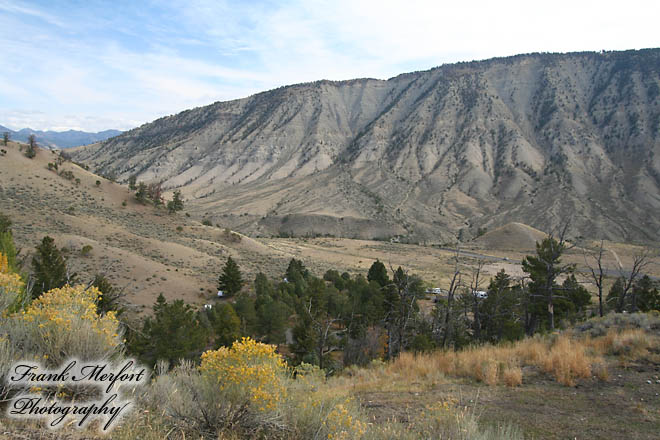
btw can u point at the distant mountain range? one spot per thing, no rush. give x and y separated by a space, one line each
425 156
61 139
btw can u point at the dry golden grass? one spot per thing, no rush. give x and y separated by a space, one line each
563 357
567 358
512 376
567 361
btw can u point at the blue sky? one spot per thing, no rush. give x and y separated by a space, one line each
94 65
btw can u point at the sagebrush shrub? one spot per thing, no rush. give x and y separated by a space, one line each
596 327
63 323
249 371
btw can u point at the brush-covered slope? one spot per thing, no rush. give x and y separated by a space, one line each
427 155
103 230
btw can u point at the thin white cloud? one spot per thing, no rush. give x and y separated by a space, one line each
22 9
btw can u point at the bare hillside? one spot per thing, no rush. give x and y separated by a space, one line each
427 156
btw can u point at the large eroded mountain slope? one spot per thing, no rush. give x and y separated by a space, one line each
426 155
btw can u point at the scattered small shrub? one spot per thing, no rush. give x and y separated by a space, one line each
68 174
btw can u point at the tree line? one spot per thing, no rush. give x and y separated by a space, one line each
341 319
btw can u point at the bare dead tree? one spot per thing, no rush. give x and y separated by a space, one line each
451 293
322 322
597 272
640 262
401 309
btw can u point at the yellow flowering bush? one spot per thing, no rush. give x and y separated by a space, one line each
4 263
239 390
11 289
248 371
64 323
343 424
318 408
11 284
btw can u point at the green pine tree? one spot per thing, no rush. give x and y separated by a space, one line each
296 271
246 311
273 317
49 268
31 150
578 297
111 297
173 333
5 223
543 269
131 182
612 299
644 295
500 316
141 193
231 280
225 323
176 204
378 273
7 247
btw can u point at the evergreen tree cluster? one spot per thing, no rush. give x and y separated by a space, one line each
153 193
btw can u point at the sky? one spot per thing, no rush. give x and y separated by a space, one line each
95 65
